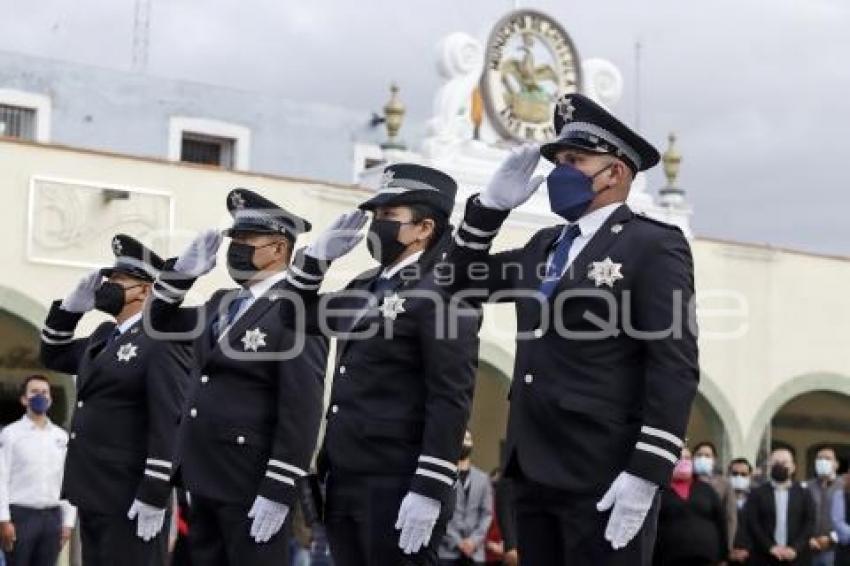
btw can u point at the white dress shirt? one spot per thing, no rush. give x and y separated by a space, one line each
589 224
32 461
257 290
780 498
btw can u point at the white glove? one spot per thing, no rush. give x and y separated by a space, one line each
199 256
512 183
150 519
268 518
416 519
81 299
631 497
339 238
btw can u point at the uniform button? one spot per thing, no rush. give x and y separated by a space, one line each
205 378
335 409
538 332
240 439
79 404
73 435
193 412
342 370
529 378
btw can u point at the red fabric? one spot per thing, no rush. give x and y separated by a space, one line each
182 525
682 487
494 534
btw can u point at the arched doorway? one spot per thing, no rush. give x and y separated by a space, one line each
705 425
489 418
808 422
20 320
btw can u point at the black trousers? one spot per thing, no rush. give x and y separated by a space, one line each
360 517
110 540
556 528
38 533
220 535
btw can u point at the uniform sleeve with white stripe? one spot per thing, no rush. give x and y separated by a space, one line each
60 351
450 361
300 397
663 305
166 379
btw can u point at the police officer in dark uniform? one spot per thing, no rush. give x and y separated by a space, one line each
130 389
250 425
403 382
606 362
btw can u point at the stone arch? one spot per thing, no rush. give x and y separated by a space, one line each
720 404
794 387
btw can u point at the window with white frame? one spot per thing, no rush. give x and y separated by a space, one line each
210 142
24 115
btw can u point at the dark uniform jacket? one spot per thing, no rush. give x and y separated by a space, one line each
255 401
403 381
129 395
593 393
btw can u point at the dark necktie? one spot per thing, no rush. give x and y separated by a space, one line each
559 260
232 310
113 336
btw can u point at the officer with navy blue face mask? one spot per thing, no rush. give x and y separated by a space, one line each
606 360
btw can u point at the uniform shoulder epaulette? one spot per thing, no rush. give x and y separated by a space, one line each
669 226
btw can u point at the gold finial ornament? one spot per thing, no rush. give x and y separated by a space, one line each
671 159
394 116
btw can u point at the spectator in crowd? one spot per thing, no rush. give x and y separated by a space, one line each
841 524
34 523
494 543
504 517
740 478
691 521
823 487
780 516
463 543
705 468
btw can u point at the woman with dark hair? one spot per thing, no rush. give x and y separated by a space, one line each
402 392
691 523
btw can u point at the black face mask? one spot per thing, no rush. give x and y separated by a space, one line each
240 262
779 473
382 240
465 451
111 297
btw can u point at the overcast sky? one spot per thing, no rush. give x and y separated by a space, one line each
758 91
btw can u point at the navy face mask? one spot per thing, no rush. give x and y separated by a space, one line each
39 404
571 191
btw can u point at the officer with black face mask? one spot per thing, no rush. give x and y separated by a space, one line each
406 359
129 391
252 419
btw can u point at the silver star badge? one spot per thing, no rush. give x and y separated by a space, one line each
605 272
392 305
566 108
617 228
387 178
116 246
127 352
253 339
237 200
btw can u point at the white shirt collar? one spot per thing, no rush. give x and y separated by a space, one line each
28 422
125 326
593 221
409 260
260 288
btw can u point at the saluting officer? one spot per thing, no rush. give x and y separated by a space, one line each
130 389
606 362
250 426
403 382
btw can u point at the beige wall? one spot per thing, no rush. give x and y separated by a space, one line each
794 312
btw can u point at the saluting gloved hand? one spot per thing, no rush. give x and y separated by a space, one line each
512 183
339 238
416 519
199 256
268 518
631 497
149 521
81 299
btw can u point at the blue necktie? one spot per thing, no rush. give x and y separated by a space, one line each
559 260
232 310
116 332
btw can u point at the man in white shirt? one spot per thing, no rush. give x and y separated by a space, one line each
34 523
